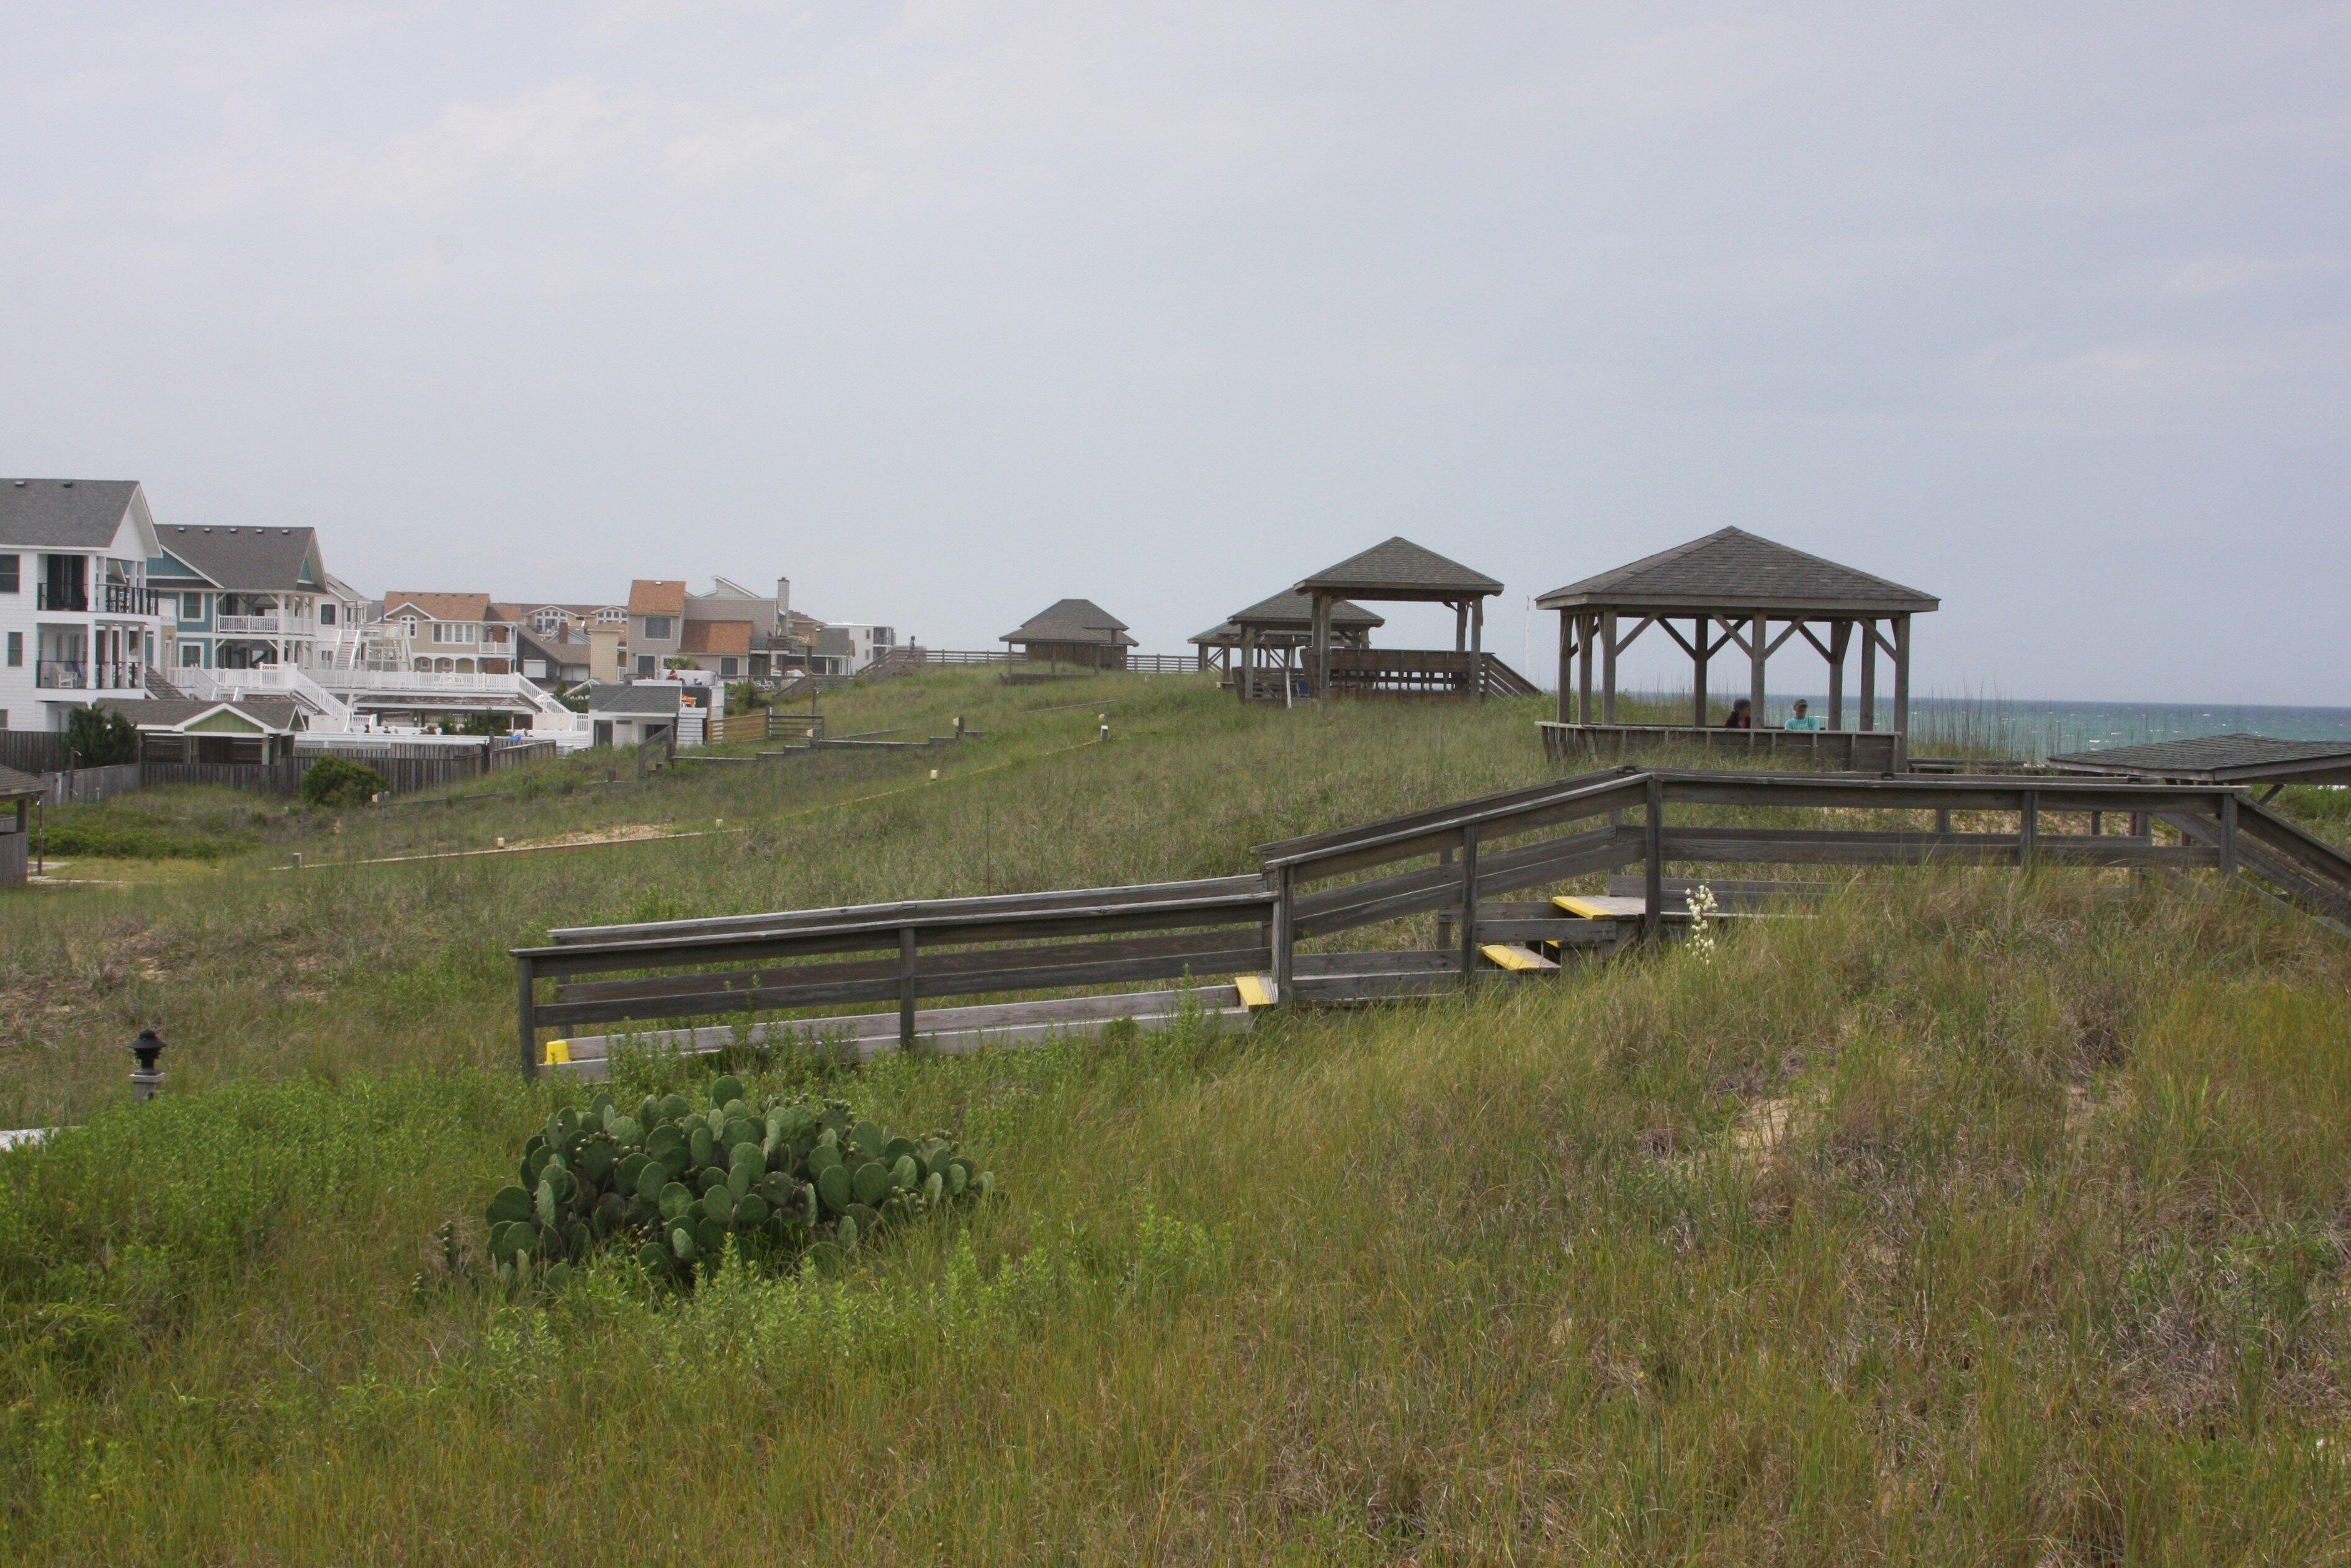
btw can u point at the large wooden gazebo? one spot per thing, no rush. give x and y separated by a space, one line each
1399 570
1075 631
1732 590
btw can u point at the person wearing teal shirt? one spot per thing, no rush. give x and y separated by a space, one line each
1802 720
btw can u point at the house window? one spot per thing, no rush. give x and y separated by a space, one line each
408 627
192 607
192 655
15 650
656 627
327 613
535 668
726 668
11 578
644 664
455 631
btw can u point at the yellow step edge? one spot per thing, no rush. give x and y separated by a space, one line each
1256 991
1504 956
1584 907
559 1052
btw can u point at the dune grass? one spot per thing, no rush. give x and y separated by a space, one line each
1984 1217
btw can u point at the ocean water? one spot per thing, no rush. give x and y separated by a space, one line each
2034 728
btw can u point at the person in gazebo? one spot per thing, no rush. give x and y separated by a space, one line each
1804 719
1742 716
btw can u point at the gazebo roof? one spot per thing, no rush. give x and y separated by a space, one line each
1222 634
2217 758
1734 570
1291 611
16 786
1399 568
1072 620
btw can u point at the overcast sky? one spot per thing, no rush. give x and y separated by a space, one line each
945 310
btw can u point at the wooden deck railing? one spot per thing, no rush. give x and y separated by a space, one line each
1456 862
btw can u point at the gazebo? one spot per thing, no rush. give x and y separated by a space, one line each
1734 590
1399 570
1283 625
20 790
1075 631
2246 759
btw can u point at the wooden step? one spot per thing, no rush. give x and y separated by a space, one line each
1256 990
1518 960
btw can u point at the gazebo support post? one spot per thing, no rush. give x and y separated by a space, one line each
1901 693
1699 651
1460 626
1322 674
1249 663
1608 666
1591 625
1759 648
1568 626
1840 633
1868 675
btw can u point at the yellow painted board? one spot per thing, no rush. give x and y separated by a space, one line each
558 1051
1584 907
1256 991
1509 958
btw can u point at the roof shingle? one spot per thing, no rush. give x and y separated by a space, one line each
63 514
656 596
1732 569
1072 620
1399 565
241 560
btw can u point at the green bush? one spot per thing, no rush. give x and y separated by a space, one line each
679 1186
339 782
100 739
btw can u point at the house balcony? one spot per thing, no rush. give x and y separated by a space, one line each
274 624
105 599
125 678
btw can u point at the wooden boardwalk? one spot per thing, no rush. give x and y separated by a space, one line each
1233 942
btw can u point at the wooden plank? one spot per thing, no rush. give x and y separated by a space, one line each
1603 849
1574 931
1516 961
1777 846
1588 907
1256 990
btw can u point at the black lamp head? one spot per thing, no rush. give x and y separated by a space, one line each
147 1048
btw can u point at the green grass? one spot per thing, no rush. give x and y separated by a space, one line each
1981 1219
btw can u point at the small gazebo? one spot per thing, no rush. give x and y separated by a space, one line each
1399 570
1075 631
1734 590
19 791
1273 632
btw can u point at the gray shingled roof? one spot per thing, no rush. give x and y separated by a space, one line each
63 514
652 702
16 786
1399 565
1072 620
1222 632
2219 758
274 714
1295 612
241 560
1732 569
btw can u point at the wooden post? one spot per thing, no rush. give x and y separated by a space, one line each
1608 666
905 988
527 1018
2228 834
1321 644
1868 675
1901 693
1840 633
1285 938
1698 684
1460 626
1249 663
1469 903
1443 917
1652 862
2027 827
1566 664
1759 648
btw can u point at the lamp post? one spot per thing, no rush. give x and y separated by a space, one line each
146 1078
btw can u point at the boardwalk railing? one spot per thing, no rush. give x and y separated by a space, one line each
1454 861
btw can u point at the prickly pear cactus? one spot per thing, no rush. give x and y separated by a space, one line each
677 1182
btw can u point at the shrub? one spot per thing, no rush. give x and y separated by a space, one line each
339 781
681 1186
100 739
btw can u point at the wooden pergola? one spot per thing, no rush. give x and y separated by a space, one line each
1733 590
21 790
1272 632
1399 571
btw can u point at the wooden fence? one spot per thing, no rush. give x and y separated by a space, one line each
35 750
1454 863
88 786
763 723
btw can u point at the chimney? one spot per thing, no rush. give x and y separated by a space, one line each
783 602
